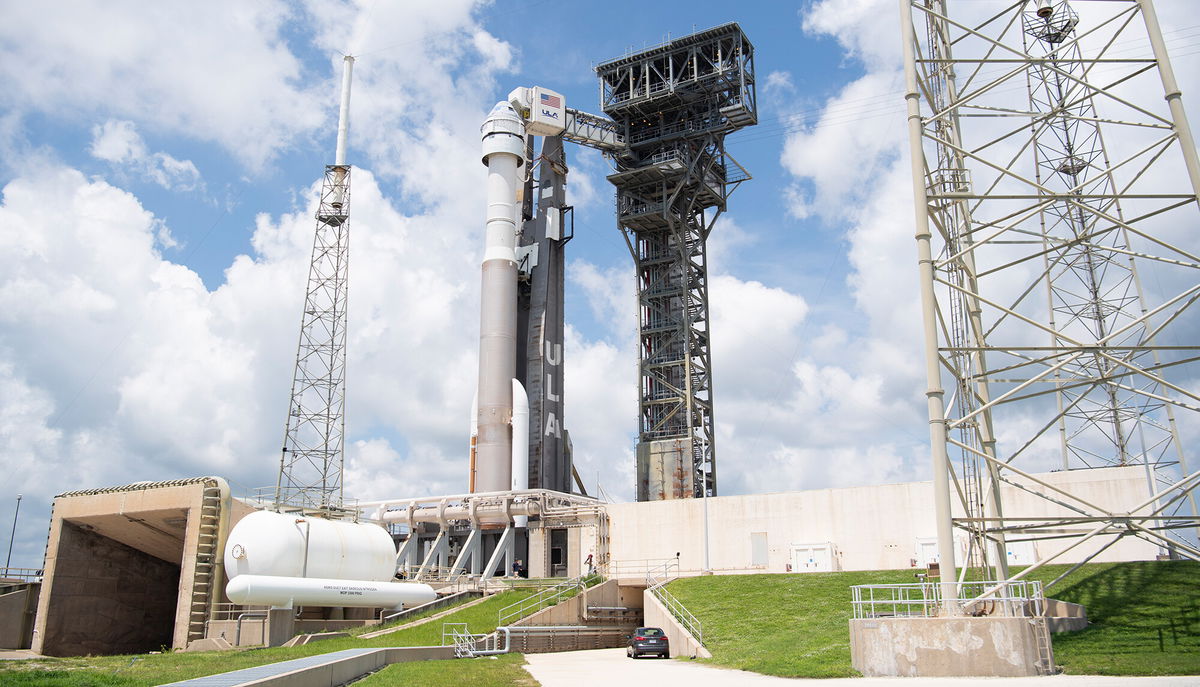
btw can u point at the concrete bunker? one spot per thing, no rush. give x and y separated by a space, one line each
134 568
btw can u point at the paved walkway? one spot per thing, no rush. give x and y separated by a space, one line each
607 667
17 655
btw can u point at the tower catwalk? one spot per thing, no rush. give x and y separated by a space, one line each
310 466
1058 271
674 104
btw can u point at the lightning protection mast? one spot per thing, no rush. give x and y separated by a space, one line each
673 105
1055 213
310 467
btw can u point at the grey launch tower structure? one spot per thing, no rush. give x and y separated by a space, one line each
673 106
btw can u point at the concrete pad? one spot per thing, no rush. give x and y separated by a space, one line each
18 655
607 667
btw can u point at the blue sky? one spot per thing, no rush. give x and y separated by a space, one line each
158 176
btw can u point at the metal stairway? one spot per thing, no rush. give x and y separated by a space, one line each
207 553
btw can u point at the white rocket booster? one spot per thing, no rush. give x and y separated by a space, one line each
503 153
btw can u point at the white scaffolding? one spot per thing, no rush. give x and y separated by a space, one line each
1056 209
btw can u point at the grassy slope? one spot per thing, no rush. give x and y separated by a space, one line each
795 625
788 625
1131 606
487 671
155 669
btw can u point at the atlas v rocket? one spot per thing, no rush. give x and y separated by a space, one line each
515 437
495 455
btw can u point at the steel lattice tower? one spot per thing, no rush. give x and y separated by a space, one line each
1037 244
310 467
674 104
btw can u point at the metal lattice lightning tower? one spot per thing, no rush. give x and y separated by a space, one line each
1056 207
310 467
673 105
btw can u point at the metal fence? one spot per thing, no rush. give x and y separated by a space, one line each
544 599
20 575
1021 598
657 579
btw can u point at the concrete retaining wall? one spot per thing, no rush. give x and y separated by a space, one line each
338 670
944 647
17 610
873 528
254 629
1063 616
682 641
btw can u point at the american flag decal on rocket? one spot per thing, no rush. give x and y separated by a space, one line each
551 100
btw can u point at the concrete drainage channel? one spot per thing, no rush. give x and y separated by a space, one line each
326 670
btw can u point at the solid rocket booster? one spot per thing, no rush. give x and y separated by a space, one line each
503 153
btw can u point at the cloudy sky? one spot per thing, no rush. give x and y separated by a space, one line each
159 164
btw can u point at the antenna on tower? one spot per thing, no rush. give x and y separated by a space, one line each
310 466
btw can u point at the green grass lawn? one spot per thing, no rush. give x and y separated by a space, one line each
787 625
154 669
796 625
485 671
1145 619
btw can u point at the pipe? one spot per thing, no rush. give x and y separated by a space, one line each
307 532
520 444
503 152
934 393
339 157
482 494
474 439
286 592
487 512
237 638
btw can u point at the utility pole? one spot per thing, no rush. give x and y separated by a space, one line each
12 537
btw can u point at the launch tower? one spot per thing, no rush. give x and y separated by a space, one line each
673 106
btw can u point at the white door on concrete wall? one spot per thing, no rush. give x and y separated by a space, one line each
813 558
1021 552
758 549
927 551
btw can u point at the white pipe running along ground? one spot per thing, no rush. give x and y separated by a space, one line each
288 592
503 153
520 444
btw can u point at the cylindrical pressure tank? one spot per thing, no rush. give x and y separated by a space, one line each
288 592
276 544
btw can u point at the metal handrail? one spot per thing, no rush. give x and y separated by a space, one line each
1019 598
657 580
22 575
543 599
627 568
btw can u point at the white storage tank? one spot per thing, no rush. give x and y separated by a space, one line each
289 592
280 545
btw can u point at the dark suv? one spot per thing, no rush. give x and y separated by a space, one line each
648 640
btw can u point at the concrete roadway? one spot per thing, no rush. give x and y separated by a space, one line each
607 667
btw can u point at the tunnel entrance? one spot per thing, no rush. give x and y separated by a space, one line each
133 568
110 598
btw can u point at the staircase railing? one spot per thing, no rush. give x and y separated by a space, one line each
544 599
657 579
